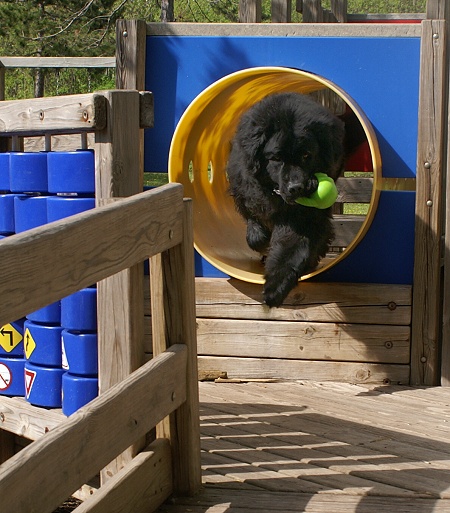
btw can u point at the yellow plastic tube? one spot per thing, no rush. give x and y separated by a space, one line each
199 154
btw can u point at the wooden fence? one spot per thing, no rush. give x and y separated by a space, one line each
106 245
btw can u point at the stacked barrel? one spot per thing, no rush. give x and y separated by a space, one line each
49 357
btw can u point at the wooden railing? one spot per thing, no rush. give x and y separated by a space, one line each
106 245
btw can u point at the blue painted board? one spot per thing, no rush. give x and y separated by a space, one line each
380 74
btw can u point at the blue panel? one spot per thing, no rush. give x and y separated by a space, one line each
386 253
380 74
205 269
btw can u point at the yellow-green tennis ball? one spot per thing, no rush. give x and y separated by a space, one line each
325 195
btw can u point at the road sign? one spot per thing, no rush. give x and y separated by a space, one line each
9 337
29 343
5 377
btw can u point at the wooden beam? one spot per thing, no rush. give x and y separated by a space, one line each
130 54
58 62
250 11
213 367
93 245
93 436
222 298
425 351
63 114
21 418
173 309
140 487
339 10
281 11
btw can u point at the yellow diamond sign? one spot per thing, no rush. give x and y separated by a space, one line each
29 343
9 337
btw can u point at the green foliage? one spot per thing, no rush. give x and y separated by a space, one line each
87 28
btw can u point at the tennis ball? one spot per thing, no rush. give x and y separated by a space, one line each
325 195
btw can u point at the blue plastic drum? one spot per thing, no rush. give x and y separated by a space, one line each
7 224
43 385
29 212
59 207
80 355
79 310
42 344
77 391
50 314
11 376
28 172
71 171
4 172
11 339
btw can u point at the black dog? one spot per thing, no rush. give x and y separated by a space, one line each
279 145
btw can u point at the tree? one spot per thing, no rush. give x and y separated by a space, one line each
58 28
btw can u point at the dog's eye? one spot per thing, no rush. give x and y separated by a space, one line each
306 155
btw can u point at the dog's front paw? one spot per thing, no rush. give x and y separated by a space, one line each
276 290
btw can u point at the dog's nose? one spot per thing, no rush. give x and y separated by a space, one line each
296 190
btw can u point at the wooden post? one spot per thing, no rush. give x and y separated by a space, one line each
339 10
131 38
250 11
281 11
120 328
174 322
425 337
312 11
440 9
3 141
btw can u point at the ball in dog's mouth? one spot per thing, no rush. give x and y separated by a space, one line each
324 197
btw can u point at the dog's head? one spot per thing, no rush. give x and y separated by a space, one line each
288 138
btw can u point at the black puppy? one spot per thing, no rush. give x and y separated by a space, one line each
279 145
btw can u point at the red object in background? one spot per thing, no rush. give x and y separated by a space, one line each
360 159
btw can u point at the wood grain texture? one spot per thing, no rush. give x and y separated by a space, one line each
21 418
172 284
264 368
312 302
286 29
93 245
250 11
429 204
321 448
141 487
65 114
304 340
97 433
281 11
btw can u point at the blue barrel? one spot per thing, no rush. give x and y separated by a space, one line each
71 171
28 172
11 376
4 172
59 207
11 339
77 391
43 385
7 223
50 314
42 344
79 310
80 355
29 212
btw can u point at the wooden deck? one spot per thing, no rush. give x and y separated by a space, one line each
322 448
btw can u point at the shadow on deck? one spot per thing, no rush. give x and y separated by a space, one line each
322 448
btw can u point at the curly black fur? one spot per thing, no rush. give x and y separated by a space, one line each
279 145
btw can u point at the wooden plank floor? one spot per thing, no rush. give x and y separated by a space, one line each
322 448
